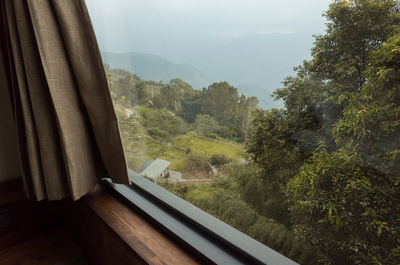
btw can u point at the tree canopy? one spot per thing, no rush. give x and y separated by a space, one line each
334 150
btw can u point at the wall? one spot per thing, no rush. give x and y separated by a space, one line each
9 163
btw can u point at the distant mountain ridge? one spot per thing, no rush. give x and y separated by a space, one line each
254 63
156 68
263 95
153 67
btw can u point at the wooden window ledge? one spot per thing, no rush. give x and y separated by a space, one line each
110 232
146 224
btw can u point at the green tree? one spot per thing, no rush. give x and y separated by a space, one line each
323 86
162 123
191 106
173 93
207 126
371 123
245 107
272 146
346 98
142 92
348 201
220 101
124 87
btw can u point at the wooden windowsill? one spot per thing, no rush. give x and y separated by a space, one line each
113 233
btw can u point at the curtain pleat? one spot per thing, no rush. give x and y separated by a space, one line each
87 65
69 135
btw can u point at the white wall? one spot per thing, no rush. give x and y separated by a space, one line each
9 163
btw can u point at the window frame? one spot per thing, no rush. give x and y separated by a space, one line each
205 234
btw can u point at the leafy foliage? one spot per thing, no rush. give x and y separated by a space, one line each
219 159
334 148
161 123
349 210
221 200
352 196
321 181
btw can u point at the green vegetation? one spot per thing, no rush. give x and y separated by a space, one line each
223 200
330 156
318 180
209 147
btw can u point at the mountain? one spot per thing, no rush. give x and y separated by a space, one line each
254 63
153 67
260 59
263 95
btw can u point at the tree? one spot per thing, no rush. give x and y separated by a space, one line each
206 126
348 201
124 87
142 92
191 106
371 123
245 107
271 145
220 101
354 29
323 86
173 93
334 147
162 123
347 209
171 96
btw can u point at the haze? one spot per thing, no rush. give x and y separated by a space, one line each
253 44
123 25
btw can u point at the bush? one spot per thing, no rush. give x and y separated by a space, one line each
162 123
198 162
227 207
219 159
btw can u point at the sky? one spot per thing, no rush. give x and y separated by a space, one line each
129 25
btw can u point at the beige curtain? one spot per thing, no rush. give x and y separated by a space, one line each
67 128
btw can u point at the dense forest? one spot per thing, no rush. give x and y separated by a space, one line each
317 180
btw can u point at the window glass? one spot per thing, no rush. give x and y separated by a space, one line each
278 120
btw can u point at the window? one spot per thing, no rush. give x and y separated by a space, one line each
305 161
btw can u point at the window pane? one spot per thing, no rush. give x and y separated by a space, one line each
305 160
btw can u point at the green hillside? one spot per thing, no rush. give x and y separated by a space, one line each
317 180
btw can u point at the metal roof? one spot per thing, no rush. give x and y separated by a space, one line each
144 165
156 168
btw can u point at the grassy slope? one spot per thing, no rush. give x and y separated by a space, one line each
139 147
209 147
178 157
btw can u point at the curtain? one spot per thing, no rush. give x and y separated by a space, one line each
68 136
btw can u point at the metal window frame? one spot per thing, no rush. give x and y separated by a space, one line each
208 236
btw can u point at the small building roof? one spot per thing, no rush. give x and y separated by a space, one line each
145 165
155 168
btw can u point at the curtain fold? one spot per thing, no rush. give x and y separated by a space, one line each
67 128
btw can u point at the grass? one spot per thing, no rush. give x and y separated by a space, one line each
139 147
154 150
209 147
179 158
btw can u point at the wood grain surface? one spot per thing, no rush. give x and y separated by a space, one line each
122 236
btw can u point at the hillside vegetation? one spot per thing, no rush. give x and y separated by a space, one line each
193 130
317 180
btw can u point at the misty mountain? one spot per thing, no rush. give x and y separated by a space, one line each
263 95
254 63
153 67
260 61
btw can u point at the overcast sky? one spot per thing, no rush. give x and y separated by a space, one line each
120 24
